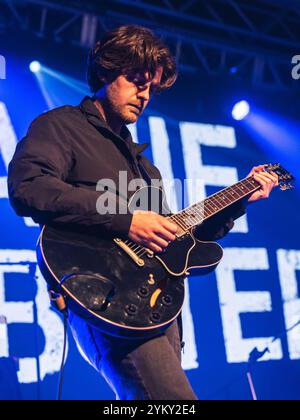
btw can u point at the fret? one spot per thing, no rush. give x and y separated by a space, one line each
188 217
207 213
247 181
254 184
222 200
200 213
240 190
197 213
174 218
246 189
208 206
223 197
179 221
233 194
215 204
190 221
198 210
183 220
244 183
198 218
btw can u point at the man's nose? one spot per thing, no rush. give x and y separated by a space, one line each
144 93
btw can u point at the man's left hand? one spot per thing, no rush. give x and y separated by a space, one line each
267 180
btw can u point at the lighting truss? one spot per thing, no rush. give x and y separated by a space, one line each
253 40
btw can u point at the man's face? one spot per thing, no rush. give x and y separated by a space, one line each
127 96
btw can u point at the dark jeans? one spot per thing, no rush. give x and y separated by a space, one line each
135 369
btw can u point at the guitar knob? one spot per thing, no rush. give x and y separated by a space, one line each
155 317
166 300
131 309
143 291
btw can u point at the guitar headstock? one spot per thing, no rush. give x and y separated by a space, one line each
285 178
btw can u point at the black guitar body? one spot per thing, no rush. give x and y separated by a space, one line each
105 286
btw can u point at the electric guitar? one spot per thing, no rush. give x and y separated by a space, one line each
123 288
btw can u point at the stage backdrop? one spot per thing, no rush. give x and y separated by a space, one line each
250 299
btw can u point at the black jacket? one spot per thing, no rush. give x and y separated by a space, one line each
55 169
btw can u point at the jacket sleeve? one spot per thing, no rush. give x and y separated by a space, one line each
37 182
219 225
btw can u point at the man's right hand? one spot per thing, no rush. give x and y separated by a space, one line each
151 230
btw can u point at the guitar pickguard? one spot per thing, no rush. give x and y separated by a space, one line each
187 253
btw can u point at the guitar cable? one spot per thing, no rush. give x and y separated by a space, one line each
59 303
62 366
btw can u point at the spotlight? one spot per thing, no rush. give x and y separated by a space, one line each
233 70
240 110
35 66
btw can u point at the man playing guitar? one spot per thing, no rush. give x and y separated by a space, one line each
53 178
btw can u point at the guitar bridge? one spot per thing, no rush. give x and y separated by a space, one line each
129 251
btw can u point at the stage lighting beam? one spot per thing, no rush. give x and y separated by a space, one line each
240 110
35 66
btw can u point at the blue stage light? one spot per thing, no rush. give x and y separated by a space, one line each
233 70
240 110
35 66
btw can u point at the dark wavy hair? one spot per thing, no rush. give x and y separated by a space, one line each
129 49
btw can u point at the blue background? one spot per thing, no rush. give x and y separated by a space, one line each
273 224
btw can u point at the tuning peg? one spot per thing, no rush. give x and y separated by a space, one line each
282 186
285 186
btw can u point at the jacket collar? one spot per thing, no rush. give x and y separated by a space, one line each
92 114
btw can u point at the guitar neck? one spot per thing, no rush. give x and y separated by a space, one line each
199 212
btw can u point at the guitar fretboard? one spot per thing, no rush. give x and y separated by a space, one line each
199 212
